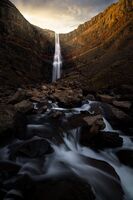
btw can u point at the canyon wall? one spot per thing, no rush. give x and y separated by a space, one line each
100 51
26 51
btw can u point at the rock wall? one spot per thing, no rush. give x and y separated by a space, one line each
26 51
101 49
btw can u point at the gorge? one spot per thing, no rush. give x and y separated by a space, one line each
66 108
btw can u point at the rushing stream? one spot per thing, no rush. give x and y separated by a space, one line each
67 156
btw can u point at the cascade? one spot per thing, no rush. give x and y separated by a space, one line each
57 63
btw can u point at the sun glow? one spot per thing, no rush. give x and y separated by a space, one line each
48 19
58 15
49 22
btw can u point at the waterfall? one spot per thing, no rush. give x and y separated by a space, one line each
57 63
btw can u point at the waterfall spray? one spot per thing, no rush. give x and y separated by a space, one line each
57 63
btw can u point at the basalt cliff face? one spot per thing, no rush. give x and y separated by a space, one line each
98 54
25 50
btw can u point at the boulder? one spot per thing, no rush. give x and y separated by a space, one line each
125 156
105 98
96 108
41 109
90 97
18 96
122 104
32 148
20 125
118 115
125 97
24 106
63 187
73 121
14 194
68 97
56 114
92 130
67 188
7 118
108 140
35 99
95 122
11 121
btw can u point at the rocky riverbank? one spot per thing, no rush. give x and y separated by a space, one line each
46 132
117 103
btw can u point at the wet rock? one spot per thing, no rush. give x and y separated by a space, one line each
40 107
108 140
100 140
68 97
92 119
126 156
90 97
14 194
118 115
105 98
92 130
124 97
70 189
9 166
20 125
73 121
47 131
56 114
36 94
7 118
96 108
35 99
123 104
18 96
41 110
85 136
24 106
31 148
67 187
95 122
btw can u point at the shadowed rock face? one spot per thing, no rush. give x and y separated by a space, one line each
26 51
101 49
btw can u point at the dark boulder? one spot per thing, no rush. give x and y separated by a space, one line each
117 116
125 156
7 118
32 148
108 140
68 97
20 95
24 106
105 98
122 104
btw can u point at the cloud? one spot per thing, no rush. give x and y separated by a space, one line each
60 15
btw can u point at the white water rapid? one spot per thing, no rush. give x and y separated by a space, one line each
52 153
57 63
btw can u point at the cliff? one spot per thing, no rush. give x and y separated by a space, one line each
99 52
26 50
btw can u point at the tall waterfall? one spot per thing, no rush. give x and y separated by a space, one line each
57 63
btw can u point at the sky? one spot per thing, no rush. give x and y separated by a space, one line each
62 16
